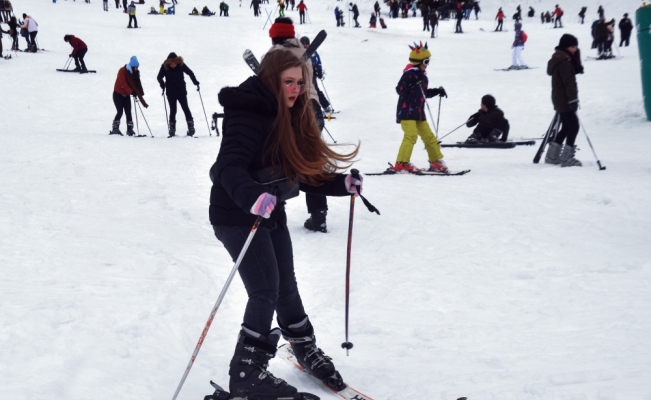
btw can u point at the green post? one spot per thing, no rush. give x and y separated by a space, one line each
643 24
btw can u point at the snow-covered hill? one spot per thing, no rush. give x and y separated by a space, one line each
516 281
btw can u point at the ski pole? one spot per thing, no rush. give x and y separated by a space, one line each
254 229
546 139
454 130
204 111
590 143
167 119
355 173
135 109
326 93
308 16
326 129
65 67
428 110
143 117
438 117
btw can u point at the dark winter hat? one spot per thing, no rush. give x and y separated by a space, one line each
488 101
66 38
305 40
626 15
172 55
567 41
282 28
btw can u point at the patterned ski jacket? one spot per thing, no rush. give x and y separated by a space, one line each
518 42
411 100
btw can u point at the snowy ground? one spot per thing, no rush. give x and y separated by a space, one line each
516 281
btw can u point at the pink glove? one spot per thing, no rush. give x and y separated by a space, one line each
352 183
264 205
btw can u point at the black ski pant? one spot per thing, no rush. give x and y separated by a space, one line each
569 128
459 30
301 16
602 45
355 19
425 23
183 101
267 271
117 3
79 59
500 24
32 37
316 202
124 5
558 23
626 38
122 104
256 11
135 21
105 5
484 131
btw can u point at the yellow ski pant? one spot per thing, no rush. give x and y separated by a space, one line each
412 130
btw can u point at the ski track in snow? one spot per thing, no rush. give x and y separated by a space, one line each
516 281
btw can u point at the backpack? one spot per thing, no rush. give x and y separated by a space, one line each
524 37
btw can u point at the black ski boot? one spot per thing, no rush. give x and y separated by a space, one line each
115 129
317 221
172 131
248 370
130 131
301 338
191 128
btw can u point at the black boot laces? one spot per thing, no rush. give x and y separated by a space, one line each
320 359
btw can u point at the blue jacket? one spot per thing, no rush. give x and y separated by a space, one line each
411 100
317 66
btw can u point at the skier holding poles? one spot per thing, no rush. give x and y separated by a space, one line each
271 147
412 91
174 84
563 67
127 84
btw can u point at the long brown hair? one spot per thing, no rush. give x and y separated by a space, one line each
296 142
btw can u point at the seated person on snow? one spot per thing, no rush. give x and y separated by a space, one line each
206 11
195 11
490 121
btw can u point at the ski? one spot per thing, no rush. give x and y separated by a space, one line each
221 394
491 145
285 352
389 171
251 61
90 71
604 58
7 57
514 69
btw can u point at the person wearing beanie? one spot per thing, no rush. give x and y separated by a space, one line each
490 121
283 37
79 50
173 85
132 15
412 91
563 67
517 61
127 84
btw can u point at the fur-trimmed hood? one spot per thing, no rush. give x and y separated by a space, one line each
177 60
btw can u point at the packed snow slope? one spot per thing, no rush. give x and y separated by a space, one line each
515 281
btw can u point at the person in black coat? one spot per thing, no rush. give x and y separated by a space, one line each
174 84
355 10
490 121
271 147
459 19
625 27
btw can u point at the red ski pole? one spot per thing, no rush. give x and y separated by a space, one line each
254 228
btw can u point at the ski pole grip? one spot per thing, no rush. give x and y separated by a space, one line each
355 173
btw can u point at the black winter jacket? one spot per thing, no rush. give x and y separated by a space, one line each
563 73
490 119
250 110
174 83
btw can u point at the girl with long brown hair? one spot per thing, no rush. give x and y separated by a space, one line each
271 147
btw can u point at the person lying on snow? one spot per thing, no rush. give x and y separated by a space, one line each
490 122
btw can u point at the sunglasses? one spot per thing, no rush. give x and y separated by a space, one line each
291 85
426 61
